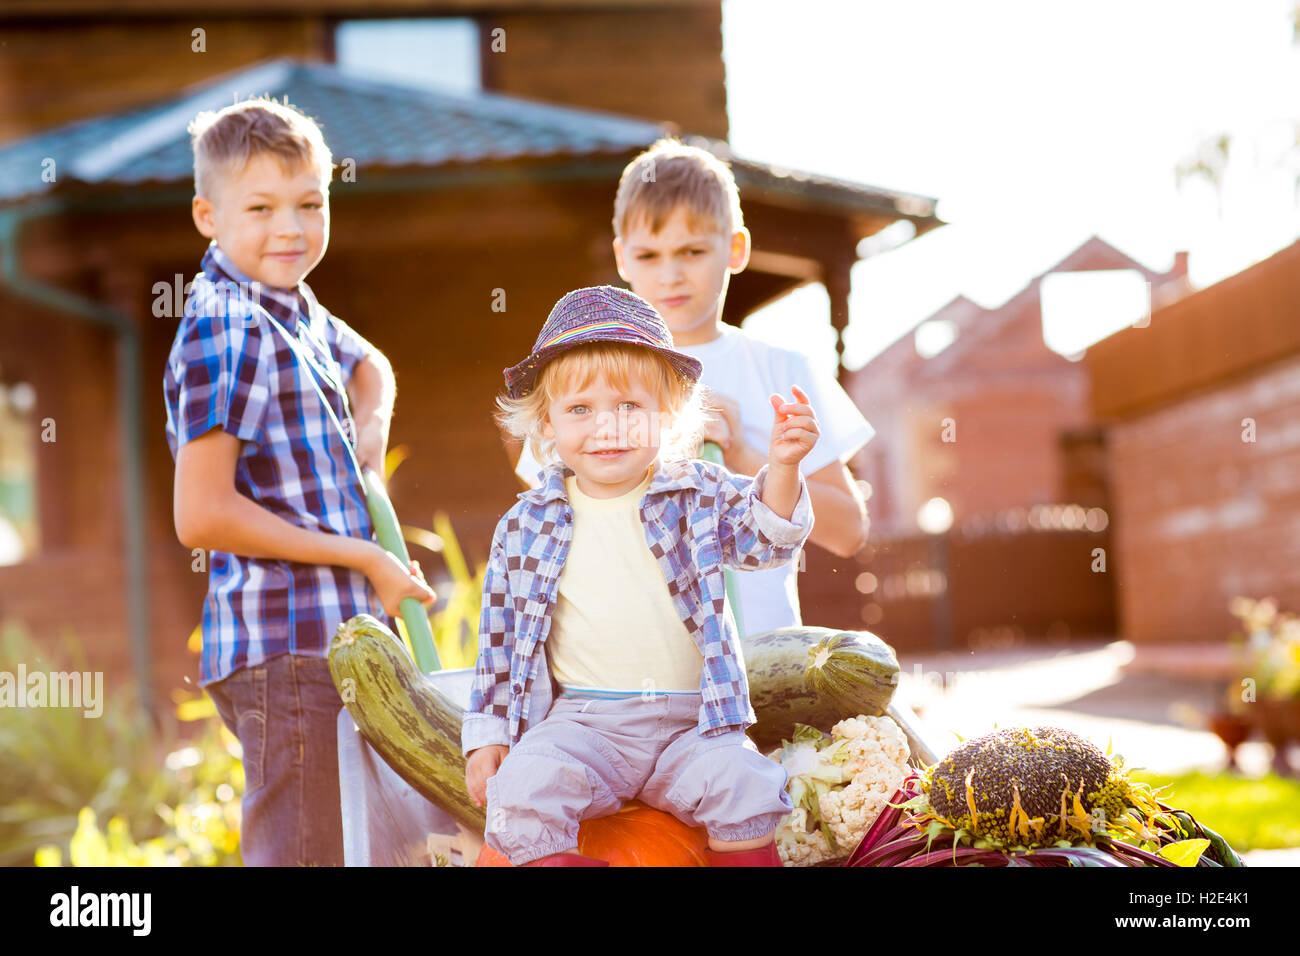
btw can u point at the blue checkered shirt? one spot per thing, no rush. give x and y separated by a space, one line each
699 518
270 367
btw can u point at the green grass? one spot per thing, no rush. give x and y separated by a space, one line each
1251 813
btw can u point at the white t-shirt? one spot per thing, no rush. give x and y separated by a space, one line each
748 370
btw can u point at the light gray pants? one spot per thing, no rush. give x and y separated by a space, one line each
590 756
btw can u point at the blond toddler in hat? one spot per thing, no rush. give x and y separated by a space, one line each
608 666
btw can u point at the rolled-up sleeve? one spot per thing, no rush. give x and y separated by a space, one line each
752 535
222 373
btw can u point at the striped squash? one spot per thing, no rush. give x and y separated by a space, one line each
413 725
817 676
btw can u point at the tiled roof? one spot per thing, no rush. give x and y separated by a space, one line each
386 124
373 123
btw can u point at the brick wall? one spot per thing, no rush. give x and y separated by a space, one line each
1200 515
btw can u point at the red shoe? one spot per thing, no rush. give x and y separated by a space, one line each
763 856
566 859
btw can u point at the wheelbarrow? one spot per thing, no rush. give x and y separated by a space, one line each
386 822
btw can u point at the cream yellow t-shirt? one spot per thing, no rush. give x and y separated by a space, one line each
614 624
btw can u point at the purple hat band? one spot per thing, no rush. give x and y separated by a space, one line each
598 314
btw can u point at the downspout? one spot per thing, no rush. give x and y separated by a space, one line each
130 414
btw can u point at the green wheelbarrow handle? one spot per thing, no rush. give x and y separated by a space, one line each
711 451
389 533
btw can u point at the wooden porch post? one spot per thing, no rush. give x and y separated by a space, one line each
836 278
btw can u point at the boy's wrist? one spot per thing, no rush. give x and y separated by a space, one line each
361 555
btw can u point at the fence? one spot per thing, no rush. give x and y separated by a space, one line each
1025 574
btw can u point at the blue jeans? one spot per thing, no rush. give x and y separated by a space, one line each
284 712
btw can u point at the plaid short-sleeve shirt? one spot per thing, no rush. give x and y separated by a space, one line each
699 519
270 366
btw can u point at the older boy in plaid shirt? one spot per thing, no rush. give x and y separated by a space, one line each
274 407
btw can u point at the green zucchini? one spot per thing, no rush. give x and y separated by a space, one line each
410 723
816 676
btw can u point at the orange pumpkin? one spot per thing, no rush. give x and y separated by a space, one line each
637 835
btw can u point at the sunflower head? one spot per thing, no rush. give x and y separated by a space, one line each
1028 787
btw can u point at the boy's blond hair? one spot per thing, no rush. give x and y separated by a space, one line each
619 364
225 140
671 174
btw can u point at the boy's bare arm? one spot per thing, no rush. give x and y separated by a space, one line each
372 391
841 512
209 513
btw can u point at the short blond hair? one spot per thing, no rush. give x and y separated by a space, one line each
620 364
225 140
669 175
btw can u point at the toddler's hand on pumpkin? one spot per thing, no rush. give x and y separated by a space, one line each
482 764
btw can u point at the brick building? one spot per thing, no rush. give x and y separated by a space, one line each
1001 427
996 420
1202 416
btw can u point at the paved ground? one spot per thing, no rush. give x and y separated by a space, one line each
1153 719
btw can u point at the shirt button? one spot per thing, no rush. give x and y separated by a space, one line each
516 688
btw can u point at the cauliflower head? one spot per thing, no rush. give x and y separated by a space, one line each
839 785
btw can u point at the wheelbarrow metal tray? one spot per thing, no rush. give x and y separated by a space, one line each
386 822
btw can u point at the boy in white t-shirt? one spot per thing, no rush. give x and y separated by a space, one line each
678 238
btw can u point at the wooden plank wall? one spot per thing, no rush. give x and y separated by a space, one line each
52 72
663 64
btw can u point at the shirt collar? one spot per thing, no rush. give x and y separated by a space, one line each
287 305
668 476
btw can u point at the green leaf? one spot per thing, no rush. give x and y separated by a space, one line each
1184 852
422 538
803 733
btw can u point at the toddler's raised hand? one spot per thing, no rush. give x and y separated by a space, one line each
795 430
